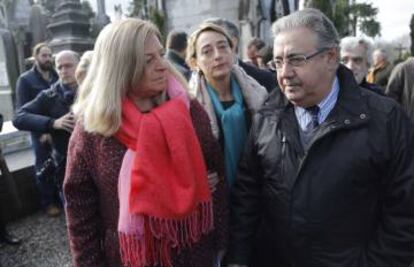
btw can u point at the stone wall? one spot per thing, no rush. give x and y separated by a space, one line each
186 14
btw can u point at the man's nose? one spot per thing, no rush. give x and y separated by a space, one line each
286 70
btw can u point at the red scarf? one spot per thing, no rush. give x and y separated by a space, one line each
169 202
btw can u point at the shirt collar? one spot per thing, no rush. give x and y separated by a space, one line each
325 106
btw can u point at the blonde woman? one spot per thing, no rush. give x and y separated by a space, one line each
138 190
227 93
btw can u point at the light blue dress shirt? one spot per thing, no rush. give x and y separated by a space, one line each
304 117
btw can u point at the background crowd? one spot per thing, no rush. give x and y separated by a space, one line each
188 155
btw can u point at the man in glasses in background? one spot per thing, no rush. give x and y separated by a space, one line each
327 179
356 55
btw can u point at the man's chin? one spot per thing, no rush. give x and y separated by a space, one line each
45 67
295 99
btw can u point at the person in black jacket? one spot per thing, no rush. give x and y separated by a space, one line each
40 77
327 178
50 113
176 52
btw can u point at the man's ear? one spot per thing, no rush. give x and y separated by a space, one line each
333 58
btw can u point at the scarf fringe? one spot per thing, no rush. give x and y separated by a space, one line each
161 235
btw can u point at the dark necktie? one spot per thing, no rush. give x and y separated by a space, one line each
314 112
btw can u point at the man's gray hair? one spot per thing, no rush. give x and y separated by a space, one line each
350 43
229 26
383 52
312 19
68 53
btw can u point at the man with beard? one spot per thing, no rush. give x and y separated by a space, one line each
356 54
41 76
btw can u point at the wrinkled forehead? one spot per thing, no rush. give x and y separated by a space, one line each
352 53
210 38
297 40
44 51
66 60
152 44
355 51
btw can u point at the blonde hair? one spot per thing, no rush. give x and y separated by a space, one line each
192 41
117 66
83 65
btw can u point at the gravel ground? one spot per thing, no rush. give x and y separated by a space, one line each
44 243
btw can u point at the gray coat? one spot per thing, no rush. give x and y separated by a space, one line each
401 85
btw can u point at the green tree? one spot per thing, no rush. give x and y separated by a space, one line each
347 16
337 11
48 5
412 35
87 8
364 15
140 9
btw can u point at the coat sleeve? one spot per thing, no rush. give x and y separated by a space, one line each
245 204
22 92
82 204
33 116
393 243
396 84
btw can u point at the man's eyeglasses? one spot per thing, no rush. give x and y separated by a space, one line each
296 60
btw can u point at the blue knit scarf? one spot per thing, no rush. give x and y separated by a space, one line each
233 124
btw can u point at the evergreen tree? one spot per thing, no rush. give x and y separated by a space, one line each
140 9
49 5
347 16
364 15
87 8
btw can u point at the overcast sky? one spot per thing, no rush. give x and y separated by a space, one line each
394 15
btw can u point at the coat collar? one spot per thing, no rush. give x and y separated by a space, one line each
350 110
349 107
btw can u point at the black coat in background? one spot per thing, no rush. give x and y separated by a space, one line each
39 115
266 78
178 63
346 202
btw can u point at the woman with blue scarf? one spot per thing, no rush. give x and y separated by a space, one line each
227 93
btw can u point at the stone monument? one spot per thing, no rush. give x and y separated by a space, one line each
70 28
9 72
38 24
